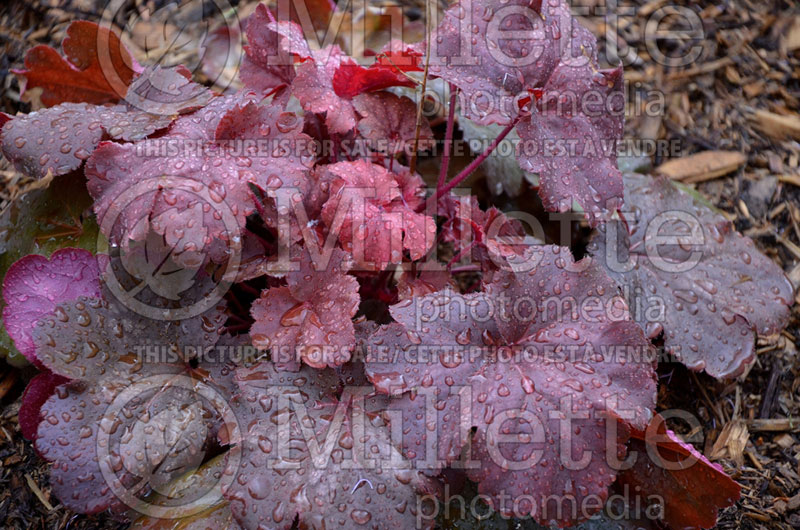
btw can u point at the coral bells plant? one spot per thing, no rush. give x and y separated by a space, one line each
249 323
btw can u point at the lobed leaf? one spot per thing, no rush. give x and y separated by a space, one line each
357 479
96 68
367 211
266 66
389 122
705 286
519 377
35 285
311 318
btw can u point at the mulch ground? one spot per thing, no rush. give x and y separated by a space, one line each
740 95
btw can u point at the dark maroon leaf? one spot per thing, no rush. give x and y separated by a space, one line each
707 288
573 152
200 197
359 480
551 383
116 447
60 138
311 318
389 122
35 285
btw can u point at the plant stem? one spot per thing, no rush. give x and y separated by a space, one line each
467 171
448 137
412 166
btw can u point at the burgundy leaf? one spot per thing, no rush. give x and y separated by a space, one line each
573 152
313 86
501 368
311 318
692 488
368 212
430 278
389 122
201 196
708 289
166 91
470 48
282 478
266 66
39 390
35 285
495 240
96 68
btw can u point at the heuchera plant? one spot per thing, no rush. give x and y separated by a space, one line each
242 223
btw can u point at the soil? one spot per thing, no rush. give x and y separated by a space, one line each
749 66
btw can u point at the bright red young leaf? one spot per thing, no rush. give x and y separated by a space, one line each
96 68
267 66
539 387
103 350
367 211
38 391
285 478
389 123
703 284
201 195
35 285
311 318
352 79
692 488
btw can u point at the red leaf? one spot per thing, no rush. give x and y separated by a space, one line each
96 69
352 79
35 285
38 391
708 293
311 318
692 488
373 222
444 342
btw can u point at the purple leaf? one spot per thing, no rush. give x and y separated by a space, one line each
362 480
266 66
38 391
35 285
706 287
389 122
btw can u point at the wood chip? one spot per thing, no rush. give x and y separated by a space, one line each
774 425
731 442
777 126
702 166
